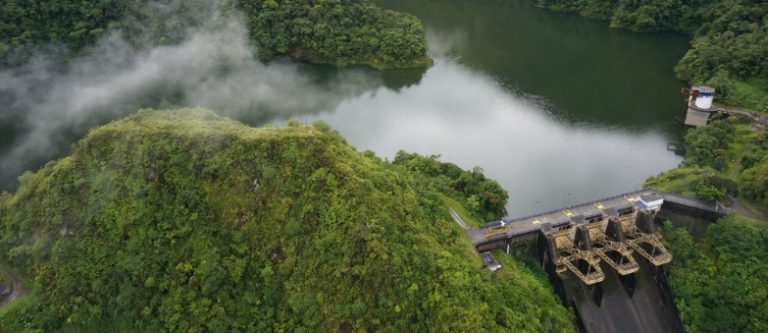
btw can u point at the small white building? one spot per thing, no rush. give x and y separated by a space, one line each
702 96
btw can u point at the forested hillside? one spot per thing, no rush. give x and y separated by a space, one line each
729 49
719 281
184 221
725 158
336 31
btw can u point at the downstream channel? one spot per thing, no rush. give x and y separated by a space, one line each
558 108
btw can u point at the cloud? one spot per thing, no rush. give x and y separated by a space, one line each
48 104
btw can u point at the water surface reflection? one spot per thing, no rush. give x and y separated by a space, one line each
471 120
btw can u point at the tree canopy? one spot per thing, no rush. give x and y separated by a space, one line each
719 281
336 31
485 198
186 221
329 31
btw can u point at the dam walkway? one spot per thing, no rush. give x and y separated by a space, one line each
488 236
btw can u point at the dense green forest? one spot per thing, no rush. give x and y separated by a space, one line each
336 31
729 49
328 31
719 281
186 221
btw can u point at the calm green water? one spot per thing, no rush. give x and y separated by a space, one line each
558 108
590 73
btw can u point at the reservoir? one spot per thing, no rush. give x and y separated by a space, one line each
559 109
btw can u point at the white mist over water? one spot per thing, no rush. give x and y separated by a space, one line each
215 69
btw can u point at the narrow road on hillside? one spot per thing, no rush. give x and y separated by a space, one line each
739 208
458 219
17 289
760 118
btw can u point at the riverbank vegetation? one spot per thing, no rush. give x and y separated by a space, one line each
729 44
186 221
339 32
718 282
728 157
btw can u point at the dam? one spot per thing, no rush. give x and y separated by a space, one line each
604 258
